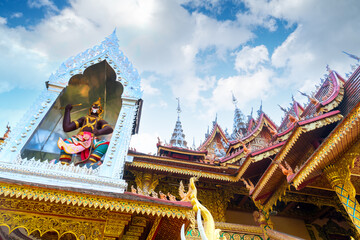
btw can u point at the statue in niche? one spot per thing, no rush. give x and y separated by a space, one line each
86 143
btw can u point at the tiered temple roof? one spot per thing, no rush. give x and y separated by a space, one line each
273 157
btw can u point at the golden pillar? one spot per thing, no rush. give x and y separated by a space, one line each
338 175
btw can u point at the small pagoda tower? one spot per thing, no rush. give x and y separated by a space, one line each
178 136
239 127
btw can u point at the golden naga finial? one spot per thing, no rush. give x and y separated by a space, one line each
248 184
207 231
185 197
133 190
246 150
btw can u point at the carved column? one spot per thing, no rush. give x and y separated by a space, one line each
338 175
146 182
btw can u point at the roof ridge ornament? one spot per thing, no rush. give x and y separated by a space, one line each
352 56
251 113
328 68
215 121
260 111
283 109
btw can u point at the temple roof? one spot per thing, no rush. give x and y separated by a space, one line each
294 141
216 129
257 127
303 135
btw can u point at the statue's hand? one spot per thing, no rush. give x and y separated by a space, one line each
68 107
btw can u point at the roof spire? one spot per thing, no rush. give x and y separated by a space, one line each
178 109
193 146
239 126
234 100
215 121
260 111
178 137
207 133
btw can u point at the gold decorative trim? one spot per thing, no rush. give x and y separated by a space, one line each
91 201
187 151
166 159
236 158
239 228
190 172
34 222
278 194
266 154
334 103
184 171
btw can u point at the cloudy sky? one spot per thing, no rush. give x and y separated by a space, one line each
199 51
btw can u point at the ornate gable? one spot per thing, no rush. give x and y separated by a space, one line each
15 165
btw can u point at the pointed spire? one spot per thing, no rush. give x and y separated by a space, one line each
207 133
239 126
114 32
251 115
178 108
260 111
215 121
193 146
178 137
234 100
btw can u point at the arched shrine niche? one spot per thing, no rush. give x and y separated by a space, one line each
98 80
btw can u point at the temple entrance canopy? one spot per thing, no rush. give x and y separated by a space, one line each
98 80
102 71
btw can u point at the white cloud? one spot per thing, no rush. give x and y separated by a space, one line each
249 59
147 85
145 142
42 3
245 87
318 40
3 21
17 15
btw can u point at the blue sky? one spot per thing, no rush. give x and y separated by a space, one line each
200 51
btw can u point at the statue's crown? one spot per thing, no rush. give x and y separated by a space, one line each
97 104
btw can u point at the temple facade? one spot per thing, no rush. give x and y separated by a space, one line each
67 172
